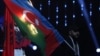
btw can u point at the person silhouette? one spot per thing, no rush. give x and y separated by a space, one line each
72 39
70 46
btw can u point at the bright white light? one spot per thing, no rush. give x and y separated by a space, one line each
98 50
73 1
65 24
99 8
57 22
1 50
73 15
34 47
40 6
65 6
65 16
57 10
90 13
81 14
90 24
49 2
82 5
57 16
57 7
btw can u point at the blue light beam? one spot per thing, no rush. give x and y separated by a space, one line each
88 24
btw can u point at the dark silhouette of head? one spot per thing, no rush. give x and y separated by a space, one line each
73 31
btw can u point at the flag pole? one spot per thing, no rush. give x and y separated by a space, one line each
68 45
76 53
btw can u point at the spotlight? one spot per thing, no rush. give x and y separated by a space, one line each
1 50
98 50
65 5
90 24
73 1
34 47
99 8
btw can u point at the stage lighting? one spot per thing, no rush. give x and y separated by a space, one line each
34 47
98 50
1 50
99 8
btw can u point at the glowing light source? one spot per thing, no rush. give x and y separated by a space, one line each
48 18
65 5
57 22
65 16
88 21
81 14
82 5
65 22
34 47
90 9
57 19
73 1
99 8
73 15
90 24
98 50
40 6
49 2
90 13
1 50
57 16
57 9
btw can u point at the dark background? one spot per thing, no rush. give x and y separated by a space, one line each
87 47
